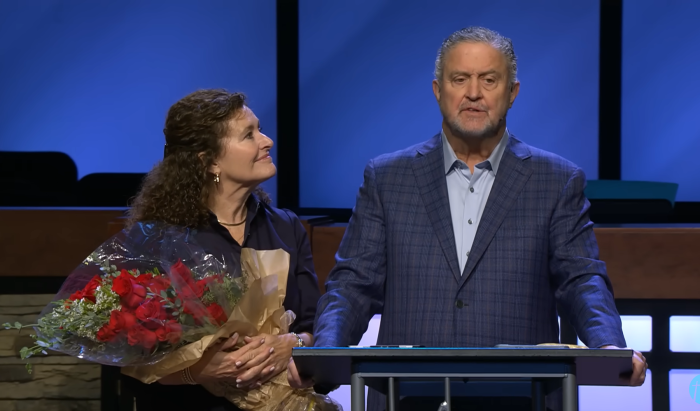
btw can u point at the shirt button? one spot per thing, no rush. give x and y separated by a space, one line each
469 221
471 189
459 304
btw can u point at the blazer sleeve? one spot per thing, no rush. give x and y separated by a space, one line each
355 286
306 279
583 289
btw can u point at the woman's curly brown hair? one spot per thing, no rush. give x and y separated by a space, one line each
177 190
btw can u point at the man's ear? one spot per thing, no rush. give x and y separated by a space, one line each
436 90
514 90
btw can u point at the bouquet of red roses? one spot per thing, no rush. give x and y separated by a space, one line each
134 300
151 301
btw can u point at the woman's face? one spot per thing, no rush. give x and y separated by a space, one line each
245 158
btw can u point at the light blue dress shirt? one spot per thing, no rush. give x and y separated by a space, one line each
468 193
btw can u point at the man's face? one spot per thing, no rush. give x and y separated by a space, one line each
474 92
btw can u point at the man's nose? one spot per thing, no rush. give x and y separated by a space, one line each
473 90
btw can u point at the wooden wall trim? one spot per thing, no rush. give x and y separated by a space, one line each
642 263
50 242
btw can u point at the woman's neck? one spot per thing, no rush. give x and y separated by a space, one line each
230 206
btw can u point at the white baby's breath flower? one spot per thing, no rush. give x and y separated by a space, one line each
83 318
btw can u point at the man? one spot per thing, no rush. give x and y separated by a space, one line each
471 238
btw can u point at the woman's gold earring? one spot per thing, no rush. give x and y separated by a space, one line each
216 178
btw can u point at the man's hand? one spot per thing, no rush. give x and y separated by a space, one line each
639 367
294 379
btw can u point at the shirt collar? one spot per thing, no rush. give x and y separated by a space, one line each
494 159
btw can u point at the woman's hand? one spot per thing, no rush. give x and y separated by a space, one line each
217 364
266 360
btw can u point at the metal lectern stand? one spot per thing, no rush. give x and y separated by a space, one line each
400 372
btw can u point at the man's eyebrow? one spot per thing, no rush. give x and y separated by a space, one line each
466 73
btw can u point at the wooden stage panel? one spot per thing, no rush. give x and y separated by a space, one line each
652 263
643 263
646 263
53 241
324 245
50 242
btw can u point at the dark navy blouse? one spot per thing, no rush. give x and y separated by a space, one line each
270 228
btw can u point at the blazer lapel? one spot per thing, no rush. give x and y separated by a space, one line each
513 173
429 170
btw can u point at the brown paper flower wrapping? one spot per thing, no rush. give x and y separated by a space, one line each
260 310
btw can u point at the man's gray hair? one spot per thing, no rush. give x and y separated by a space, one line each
478 35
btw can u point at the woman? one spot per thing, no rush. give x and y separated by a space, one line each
215 158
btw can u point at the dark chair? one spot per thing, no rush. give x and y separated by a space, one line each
108 189
37 179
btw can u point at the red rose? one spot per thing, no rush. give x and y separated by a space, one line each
191 291
140 335
130 292
135 298
122 284
158 284
144 279
203 284
152 313
119 321
106 334
180 270
217 313
128 310
91 287
196 309
78 295
170 332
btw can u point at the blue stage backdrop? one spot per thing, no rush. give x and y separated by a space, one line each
366 70
95 79
660 106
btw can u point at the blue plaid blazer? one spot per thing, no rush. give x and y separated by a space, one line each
534 248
